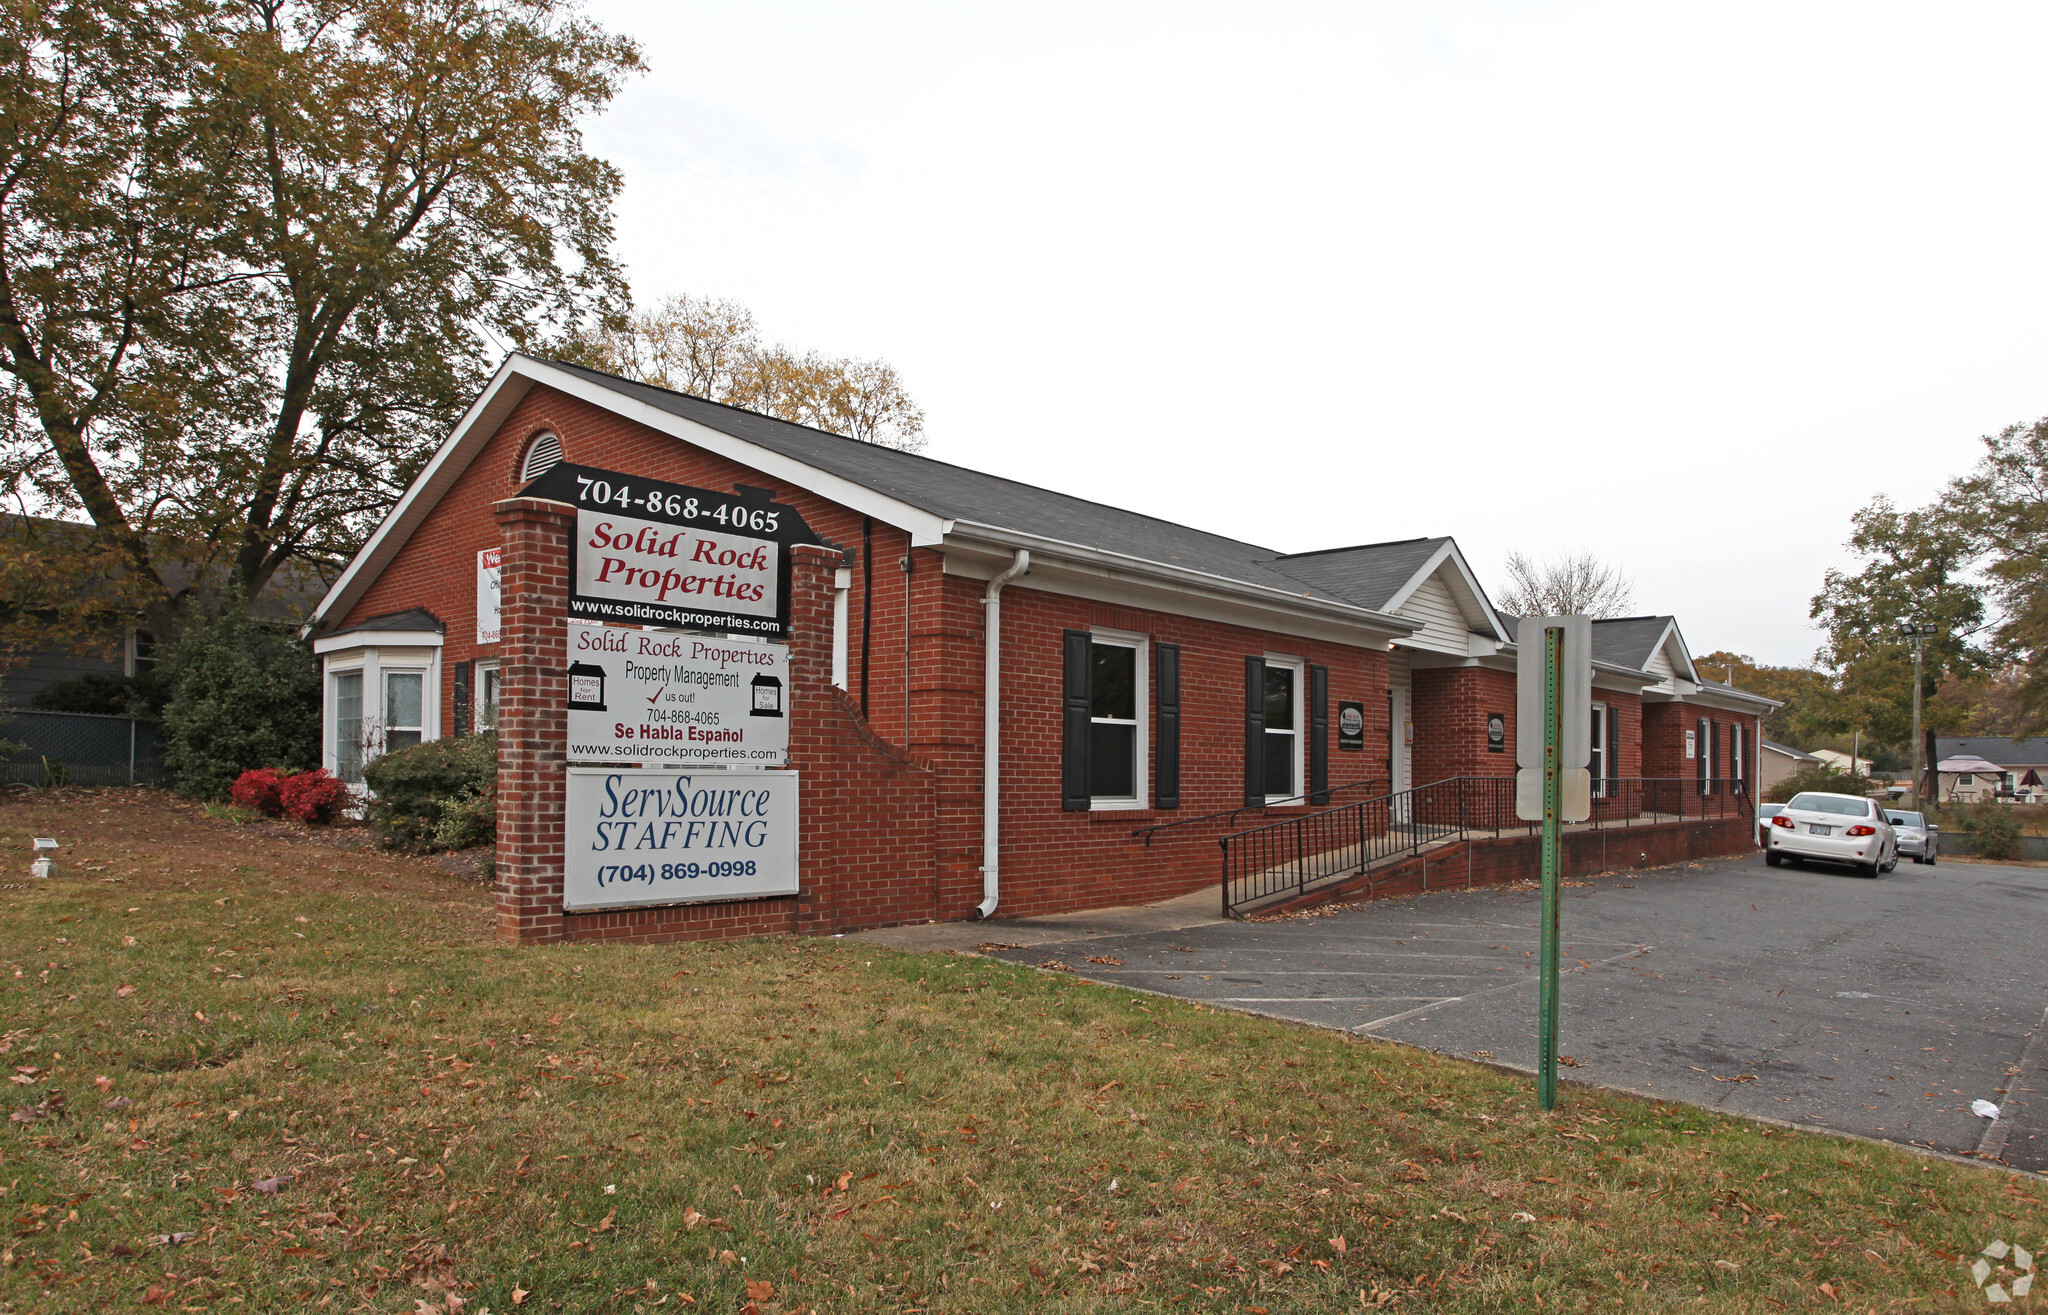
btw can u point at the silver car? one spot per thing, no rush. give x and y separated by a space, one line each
1919 839
1836 828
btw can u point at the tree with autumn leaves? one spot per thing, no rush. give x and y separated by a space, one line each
256 256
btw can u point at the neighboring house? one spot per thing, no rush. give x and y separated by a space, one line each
1842 762
126 644
1779 761
1147 672
2021 768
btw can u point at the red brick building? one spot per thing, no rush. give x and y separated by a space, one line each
1147 673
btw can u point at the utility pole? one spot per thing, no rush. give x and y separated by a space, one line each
1918 633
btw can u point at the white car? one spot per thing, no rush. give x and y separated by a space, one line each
1837 828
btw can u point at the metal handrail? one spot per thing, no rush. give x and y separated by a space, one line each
1264 861
1149 831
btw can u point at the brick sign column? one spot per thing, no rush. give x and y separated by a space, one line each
533 732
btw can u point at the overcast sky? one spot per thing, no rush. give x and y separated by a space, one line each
1683 286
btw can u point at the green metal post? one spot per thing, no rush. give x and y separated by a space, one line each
1546 1007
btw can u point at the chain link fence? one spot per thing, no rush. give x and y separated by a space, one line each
80 748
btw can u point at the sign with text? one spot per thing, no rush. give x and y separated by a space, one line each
488 576
651 553
636 838
637 696
1351 727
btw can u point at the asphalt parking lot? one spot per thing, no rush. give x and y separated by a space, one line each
1881 1007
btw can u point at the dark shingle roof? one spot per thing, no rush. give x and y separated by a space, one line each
1628 641
1369 574
411 619
969 495
2004 751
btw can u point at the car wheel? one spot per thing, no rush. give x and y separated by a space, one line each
1773 858
1891 864
1930 860
1871 869
1918 859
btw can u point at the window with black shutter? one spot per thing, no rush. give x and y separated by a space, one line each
461 709
1603 714
1702 752
1166 727
1613 751
1254 731
1319 735
1076 689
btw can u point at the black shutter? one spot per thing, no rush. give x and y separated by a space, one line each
1076 687
1735 773
1319 735
1613 750
1254 731
1699 752
1166 726
462 717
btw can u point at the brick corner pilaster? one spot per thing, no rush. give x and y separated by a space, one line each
533 744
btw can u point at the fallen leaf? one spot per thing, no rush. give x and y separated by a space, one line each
156 1296
174 1239
519 1295
1109 959
199 1014
1339 1245
271 1186
690 1217
119 1103
104 1083
124 990
1726 1264
760 1289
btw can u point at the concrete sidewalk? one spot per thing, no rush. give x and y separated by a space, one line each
1198 908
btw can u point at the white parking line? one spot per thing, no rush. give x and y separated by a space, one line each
1504 986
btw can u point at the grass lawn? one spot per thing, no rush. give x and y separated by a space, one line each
331 1090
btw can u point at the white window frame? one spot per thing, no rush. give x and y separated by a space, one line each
331 744
1601 712
1141 747
477 703
1297 772
384 724
349 652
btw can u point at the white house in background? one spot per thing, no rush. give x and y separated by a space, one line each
1777 761
1842 762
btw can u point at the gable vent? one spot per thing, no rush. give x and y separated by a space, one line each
542 455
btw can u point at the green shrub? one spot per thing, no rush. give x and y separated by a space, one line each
242 694
1822 778
104 693
421 794
1995 829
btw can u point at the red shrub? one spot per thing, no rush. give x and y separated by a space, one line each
258 788
317 796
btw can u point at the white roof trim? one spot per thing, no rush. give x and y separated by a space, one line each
1474 594
508 387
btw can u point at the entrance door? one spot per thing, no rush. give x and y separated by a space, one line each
1401 758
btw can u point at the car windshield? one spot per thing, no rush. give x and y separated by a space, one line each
1830 803
1904 819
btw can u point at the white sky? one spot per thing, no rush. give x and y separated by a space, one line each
1683 286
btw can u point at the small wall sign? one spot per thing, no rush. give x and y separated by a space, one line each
1692 744
647 552
636 838
1496 732
638 696
488 578
1351 727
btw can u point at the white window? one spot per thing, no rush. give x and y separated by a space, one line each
1598 764
486 712
1117 702
405 702
1283 728
348 725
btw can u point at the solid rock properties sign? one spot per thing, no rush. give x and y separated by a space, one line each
636 837
651 553
642 697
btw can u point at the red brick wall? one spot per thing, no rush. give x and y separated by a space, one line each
1451 705
1664 728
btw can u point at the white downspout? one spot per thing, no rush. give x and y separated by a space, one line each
991 727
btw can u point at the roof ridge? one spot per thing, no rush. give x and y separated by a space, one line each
914 456
1357 547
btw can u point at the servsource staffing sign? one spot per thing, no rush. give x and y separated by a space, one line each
649 553
635 838
653 699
